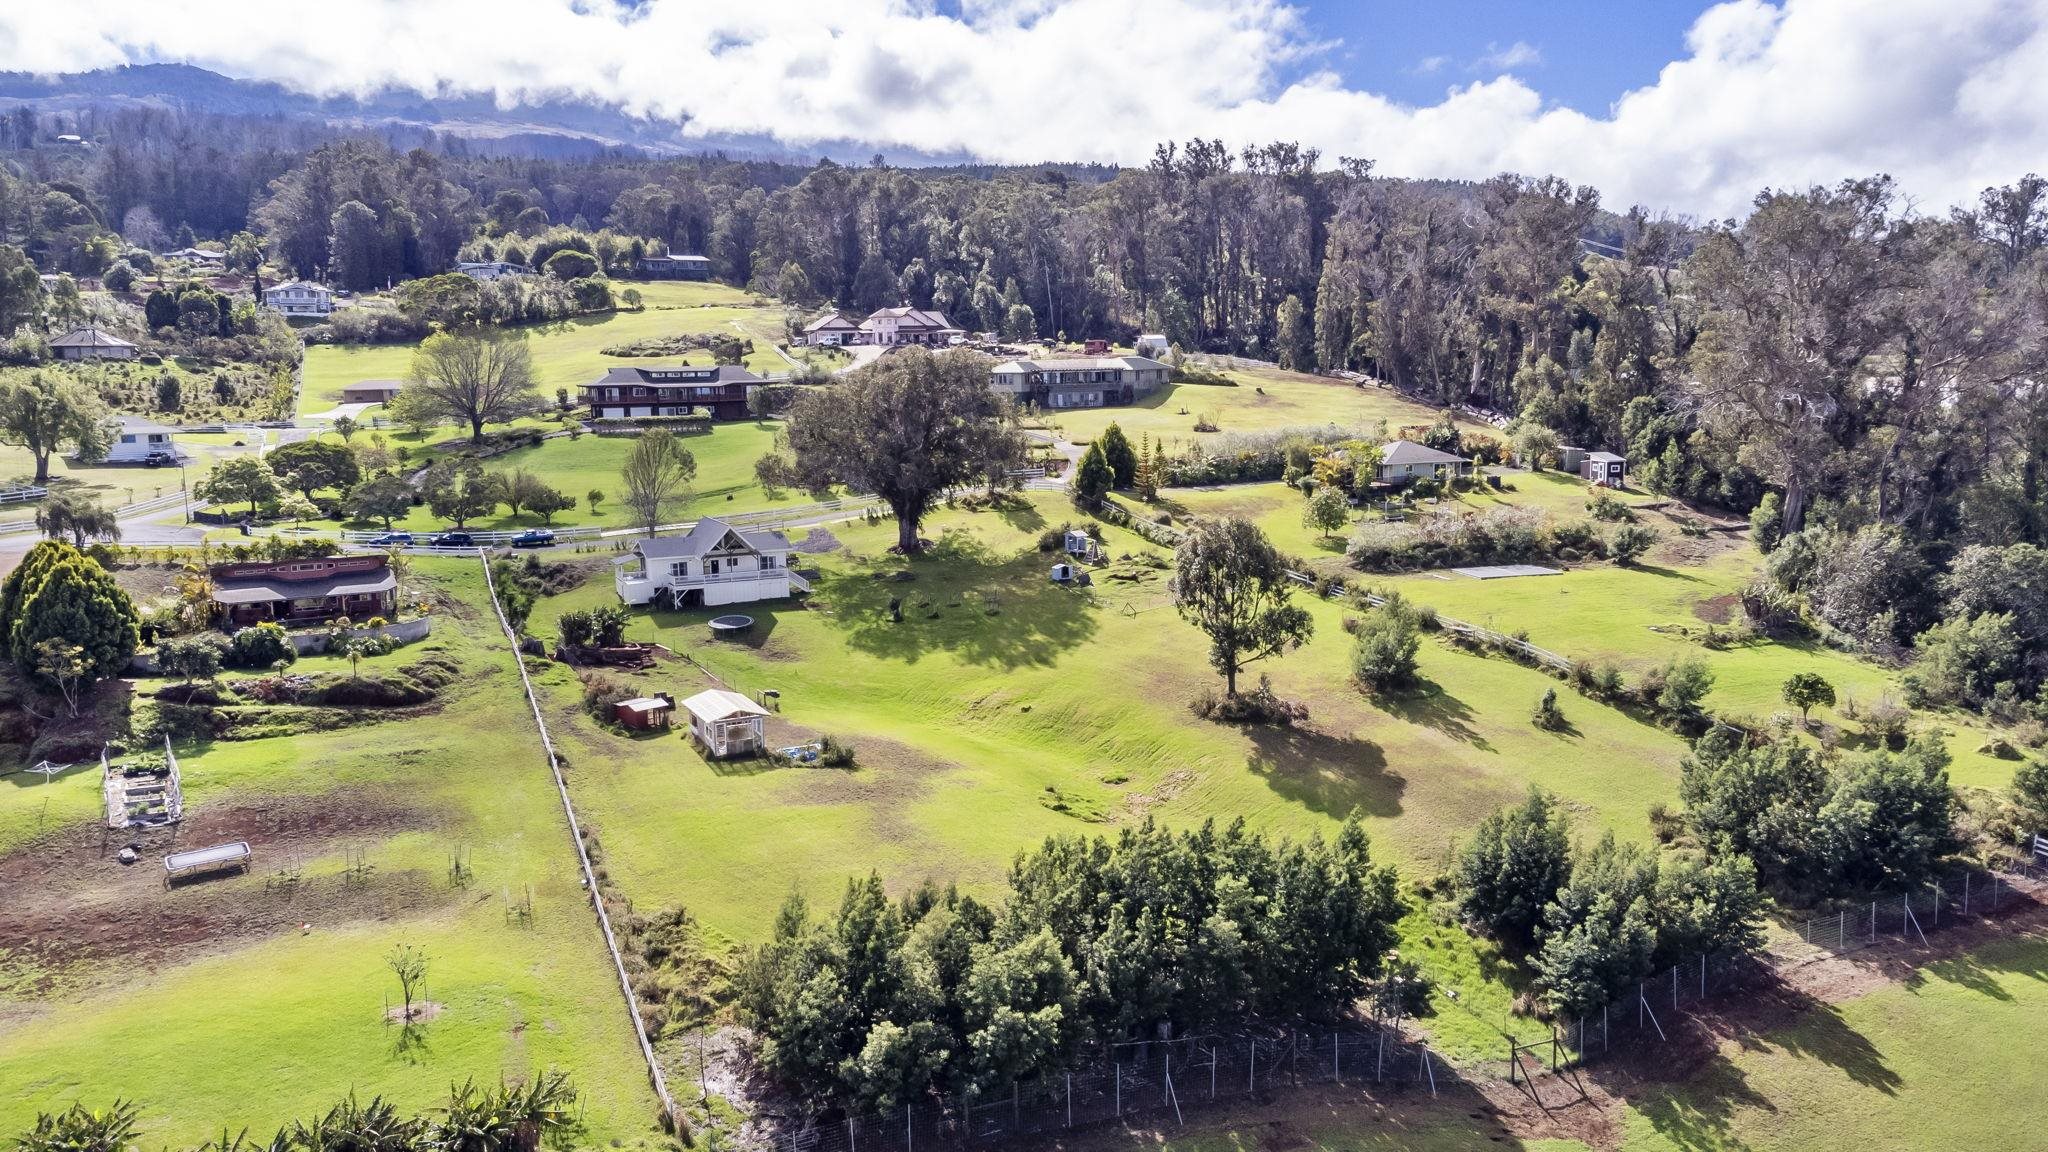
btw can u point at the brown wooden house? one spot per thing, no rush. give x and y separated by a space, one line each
313 588
671 391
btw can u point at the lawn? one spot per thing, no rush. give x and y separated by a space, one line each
1004 709
210 1005
1641 617
1261 398
1940 1061
566 353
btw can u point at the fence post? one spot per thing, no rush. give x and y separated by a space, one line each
1336 1060
1251 1080
1937 903
1213 1055
1966 893
1379 1060
1703 975
1603 1028
1016 1111
1674 987
1070 1099
909 1130
1119 1089
1873 921
849 1134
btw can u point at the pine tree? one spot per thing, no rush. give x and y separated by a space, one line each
78 602
1146 478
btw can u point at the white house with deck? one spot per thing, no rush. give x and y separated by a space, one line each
299 298
713 563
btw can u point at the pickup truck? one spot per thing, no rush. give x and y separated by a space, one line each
534 538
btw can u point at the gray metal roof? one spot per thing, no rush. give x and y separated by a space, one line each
1409 452
265 591
705 535
699 375
90 337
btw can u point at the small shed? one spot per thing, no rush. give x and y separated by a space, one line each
1095 348
1604 468
1077 543
645 711
1062 573
725 723
371 392
1152 344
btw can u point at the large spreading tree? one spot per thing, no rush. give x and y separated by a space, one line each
307 466
905 428
473 379
47 411
1230 582
65 596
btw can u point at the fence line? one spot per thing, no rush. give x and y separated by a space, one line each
590 885
1141 1078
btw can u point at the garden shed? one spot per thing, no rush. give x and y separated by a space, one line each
645 711
725 723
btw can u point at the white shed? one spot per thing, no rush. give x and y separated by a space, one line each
726 723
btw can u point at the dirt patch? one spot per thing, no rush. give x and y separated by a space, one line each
75 914
420 1013
817 542
1718 609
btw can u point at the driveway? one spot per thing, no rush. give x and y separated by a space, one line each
863 354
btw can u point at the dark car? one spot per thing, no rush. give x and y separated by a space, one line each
158 460
454 540
534 538
390 538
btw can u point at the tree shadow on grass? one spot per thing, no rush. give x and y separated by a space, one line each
1694 1114
1020 514
1330 774
1668 573
1432 707
1816 1031
963 598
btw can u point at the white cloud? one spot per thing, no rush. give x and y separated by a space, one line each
1429 65
1945 94
1520 54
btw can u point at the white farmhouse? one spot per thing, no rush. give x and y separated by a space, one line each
1079 382
139 441
711 564
299 298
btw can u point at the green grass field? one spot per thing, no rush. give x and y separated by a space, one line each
566 354
1631 617
209 1005
1262 398
1005 709
1944 1060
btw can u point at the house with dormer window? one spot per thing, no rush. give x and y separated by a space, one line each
713 563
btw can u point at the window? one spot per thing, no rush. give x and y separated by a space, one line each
711 567
767 563
679 568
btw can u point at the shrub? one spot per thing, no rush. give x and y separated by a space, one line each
834 753
1548 716
1629 542
1261 705
1384 646
372 690
264 645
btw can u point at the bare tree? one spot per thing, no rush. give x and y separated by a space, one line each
409 964
656 477
473 380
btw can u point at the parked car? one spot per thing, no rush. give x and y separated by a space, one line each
390 539
534 538
454 540
158 460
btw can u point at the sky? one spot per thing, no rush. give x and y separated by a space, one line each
1684 107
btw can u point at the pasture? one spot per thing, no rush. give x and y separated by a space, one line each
1260 399
257 999
566 353
1004 709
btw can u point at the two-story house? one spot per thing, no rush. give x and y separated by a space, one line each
671 391
299 298
713 563
1080 382
906 325
306 589
831 330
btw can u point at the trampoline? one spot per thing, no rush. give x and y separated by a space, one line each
731 625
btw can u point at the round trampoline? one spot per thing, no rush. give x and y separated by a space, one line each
731 625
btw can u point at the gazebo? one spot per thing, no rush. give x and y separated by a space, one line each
726 723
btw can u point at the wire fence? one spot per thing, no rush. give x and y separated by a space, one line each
1143 1079
1651 1008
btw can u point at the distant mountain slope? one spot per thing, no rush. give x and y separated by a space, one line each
474 117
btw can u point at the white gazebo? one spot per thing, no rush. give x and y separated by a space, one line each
726 723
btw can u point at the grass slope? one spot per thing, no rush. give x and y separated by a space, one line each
1004 709
566 353
256 1029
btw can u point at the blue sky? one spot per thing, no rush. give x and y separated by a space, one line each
1725 98
1587 52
